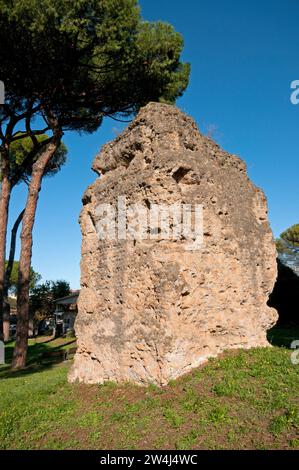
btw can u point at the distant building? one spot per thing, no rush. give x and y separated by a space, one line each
65 313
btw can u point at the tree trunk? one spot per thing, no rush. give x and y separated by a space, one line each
9 267
20 350
12 251
4 206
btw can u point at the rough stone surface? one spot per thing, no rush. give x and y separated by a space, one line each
149 311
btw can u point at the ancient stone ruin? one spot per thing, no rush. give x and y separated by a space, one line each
152 308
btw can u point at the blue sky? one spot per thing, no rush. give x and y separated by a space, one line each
244 55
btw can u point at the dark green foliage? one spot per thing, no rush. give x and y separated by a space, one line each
291 236
289 240
18 152
86 59
34 278
43 295
282 247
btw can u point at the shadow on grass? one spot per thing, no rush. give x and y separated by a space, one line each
282 336
37 360
7 373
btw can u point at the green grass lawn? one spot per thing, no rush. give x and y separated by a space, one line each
243 400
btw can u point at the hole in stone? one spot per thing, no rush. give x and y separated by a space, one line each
139 146
189 146
184 294
179 174
86 199
148 204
